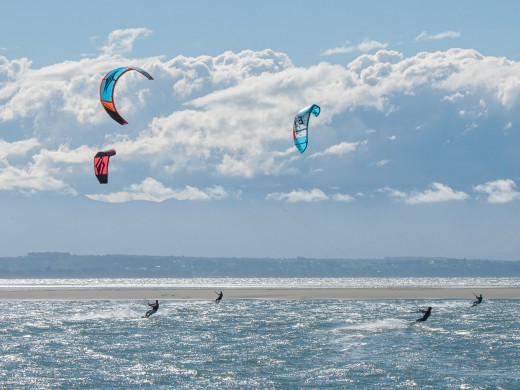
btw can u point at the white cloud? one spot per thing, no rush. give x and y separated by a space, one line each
18 147
41 174
31 181
342 198
44 170
499 191
122 41
299 195
231 115
424 36
230 166
314 195
64 155
437 192
366 46
153 191
393 192
457 96
340 149
62 102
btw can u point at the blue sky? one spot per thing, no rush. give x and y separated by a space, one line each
415 152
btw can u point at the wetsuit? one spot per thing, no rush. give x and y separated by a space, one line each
425 316
154 308
479 300
219 298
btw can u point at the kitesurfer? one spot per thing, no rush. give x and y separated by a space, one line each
426 314
219 298
153 310
479 299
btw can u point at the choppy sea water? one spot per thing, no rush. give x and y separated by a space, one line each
253 344
222 283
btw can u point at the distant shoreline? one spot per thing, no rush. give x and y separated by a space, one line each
257 293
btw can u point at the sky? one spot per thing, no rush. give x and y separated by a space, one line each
414 153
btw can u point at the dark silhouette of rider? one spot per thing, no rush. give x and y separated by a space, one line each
479 299
154 308
219 298
426 314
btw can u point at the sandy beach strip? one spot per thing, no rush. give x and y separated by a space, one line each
257 293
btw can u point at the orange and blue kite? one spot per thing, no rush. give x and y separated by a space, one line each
106 91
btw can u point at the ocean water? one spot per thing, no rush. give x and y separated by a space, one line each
223 283
260 344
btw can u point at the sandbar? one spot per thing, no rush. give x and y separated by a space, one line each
256 293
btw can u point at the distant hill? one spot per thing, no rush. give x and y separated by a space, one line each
66 265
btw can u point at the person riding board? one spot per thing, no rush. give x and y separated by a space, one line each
426 314
219 298
479 299
154 308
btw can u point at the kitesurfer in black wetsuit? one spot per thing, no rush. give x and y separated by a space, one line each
154 308
479 299
426 314
219 298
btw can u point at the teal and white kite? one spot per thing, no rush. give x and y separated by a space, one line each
301 126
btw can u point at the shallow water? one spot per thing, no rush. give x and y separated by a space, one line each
223 283
260 344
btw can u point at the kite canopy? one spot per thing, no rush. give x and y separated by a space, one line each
106 91
101 165
301 126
